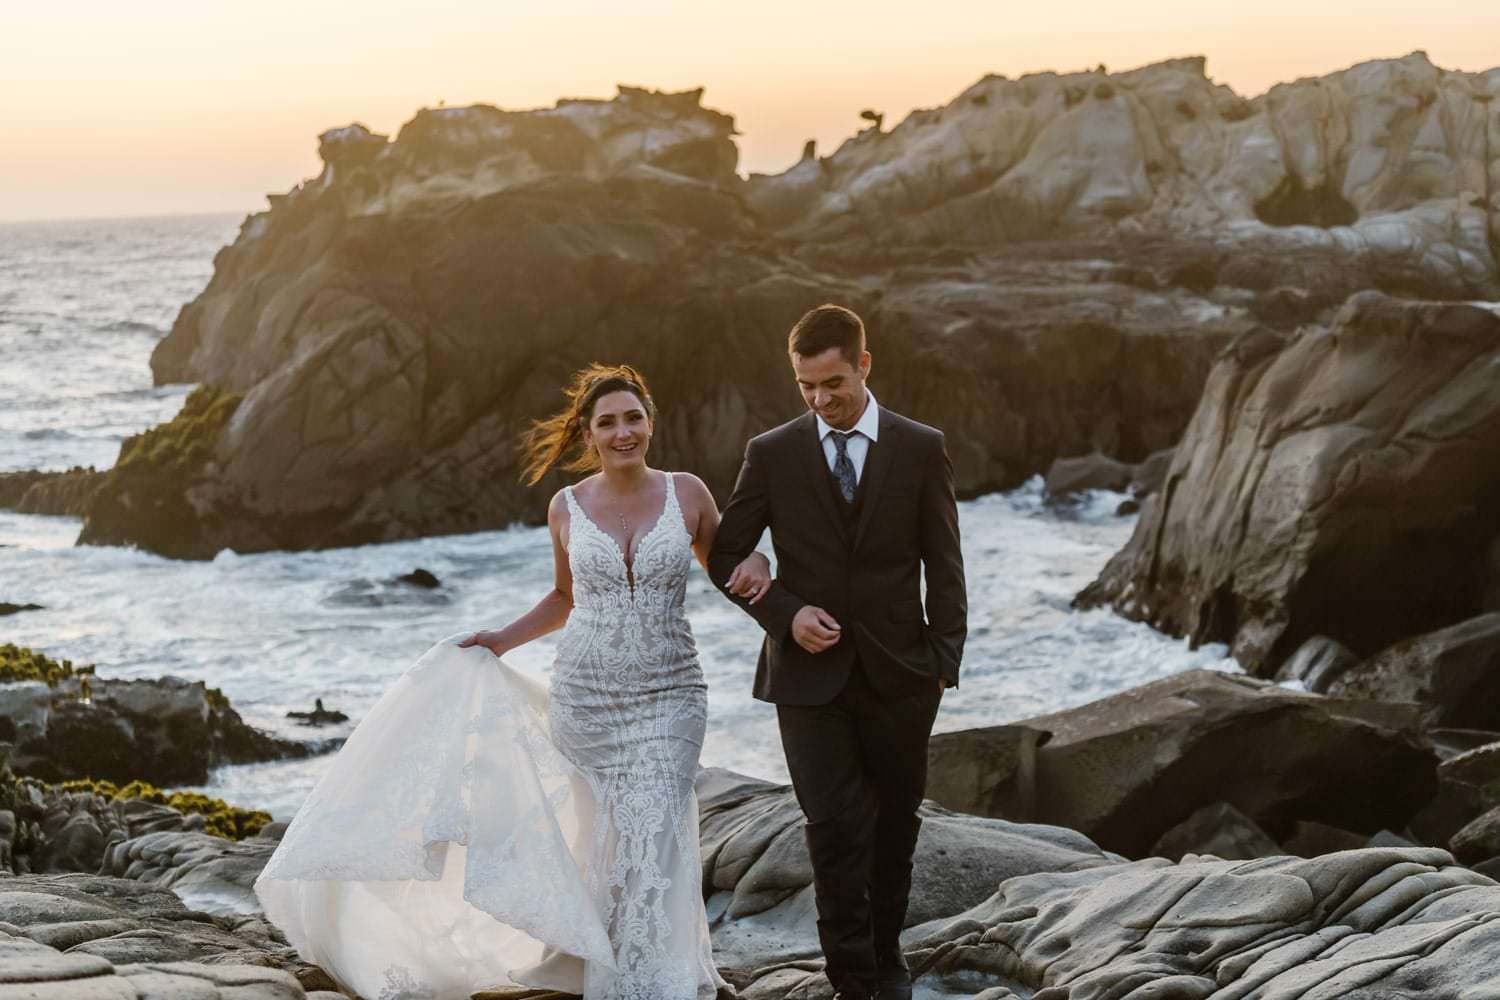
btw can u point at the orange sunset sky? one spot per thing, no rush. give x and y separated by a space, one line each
160 106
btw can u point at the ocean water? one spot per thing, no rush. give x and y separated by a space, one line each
82 304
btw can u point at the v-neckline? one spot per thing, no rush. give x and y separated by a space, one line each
628 561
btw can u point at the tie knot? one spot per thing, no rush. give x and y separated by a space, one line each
841 440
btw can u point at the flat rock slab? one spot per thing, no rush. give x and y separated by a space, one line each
1358 925
32 971
1368 924
82 937
24 961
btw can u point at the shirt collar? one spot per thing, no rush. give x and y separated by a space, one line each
869 421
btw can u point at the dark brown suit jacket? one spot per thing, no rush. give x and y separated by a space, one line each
868 579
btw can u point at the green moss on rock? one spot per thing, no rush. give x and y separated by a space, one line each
217 699
145 499
185 442
18 663
220 818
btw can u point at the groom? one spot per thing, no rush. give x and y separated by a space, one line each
859 501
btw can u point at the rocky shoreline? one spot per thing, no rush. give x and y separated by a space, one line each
1206 831
994 901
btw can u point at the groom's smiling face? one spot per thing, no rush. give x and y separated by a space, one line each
832 386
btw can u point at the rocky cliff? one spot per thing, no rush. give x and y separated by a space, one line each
1337 484
1048 267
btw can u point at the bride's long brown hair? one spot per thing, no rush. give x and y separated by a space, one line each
548 443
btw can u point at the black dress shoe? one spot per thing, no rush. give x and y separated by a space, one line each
893 982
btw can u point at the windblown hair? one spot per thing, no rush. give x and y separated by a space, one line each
825 327
557 442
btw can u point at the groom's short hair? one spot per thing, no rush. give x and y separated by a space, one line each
828 326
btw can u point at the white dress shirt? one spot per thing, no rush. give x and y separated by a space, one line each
861 436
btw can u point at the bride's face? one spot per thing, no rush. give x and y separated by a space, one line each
619 430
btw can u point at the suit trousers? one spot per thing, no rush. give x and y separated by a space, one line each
859 770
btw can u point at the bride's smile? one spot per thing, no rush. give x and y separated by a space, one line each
620 430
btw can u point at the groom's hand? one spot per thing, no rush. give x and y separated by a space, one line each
815 629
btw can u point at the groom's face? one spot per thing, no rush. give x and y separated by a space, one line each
833 388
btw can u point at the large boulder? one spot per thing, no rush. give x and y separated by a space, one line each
1047 267
1218 829
1126 769
1453 672
1479 839
1338 482
164 730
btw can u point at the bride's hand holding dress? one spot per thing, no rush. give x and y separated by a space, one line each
482 829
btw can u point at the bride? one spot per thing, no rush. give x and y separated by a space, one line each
480 830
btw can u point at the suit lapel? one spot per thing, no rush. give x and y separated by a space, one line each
877 464
816 465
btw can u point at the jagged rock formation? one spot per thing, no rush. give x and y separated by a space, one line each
1047 266
1338 483
1391 167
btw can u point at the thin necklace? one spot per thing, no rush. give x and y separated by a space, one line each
624 524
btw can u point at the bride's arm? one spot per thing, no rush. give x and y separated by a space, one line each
751 579
551 612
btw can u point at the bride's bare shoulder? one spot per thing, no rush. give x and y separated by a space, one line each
691 489
557 507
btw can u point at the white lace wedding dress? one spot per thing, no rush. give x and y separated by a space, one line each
478 830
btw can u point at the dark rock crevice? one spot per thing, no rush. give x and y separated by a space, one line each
1292 204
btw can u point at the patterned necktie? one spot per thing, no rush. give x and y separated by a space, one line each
843 469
